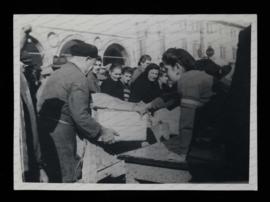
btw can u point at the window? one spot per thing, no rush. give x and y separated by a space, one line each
222 52
162 43
184 44
182 25
141 44
195 49
209 28
234 53
221 29
198 27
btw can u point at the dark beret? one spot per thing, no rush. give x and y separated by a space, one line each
84 50
59 61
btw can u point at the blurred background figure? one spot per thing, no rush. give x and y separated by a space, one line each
163 80
32 74
213 69
125 79
33 167
103 73
144 61
92 76
58 61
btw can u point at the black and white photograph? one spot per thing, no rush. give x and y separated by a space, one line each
135 102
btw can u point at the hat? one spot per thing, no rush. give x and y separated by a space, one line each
46 71
58 61
84 50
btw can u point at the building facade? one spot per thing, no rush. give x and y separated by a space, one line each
125 39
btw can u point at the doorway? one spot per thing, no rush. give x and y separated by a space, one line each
115 53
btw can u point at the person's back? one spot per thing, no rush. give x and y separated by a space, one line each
144 61
196 85
56 91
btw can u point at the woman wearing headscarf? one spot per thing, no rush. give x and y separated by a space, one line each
144 61
146 88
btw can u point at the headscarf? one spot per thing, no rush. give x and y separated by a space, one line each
144 90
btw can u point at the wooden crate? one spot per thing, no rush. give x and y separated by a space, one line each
129 125
98 164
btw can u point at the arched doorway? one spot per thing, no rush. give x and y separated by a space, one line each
66 47
115 53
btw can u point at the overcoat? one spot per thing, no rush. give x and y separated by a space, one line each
64 113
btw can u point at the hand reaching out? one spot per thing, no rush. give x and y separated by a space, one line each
141 108
108 135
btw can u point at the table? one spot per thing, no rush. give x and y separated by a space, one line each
158 163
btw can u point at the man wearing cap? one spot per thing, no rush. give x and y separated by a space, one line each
64 113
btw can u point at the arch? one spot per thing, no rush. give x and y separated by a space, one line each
115 53
65 50
67 42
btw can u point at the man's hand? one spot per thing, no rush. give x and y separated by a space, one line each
43 176
108 135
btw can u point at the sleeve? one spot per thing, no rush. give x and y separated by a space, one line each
157 103
172 100
91 84
78 105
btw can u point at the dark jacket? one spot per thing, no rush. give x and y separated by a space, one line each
64 113
113 88
144 90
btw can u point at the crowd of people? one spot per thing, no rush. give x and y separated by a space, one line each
61 110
